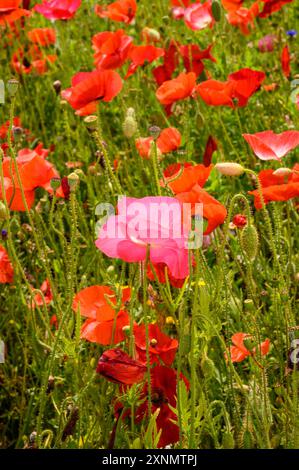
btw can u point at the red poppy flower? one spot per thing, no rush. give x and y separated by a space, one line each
31 60
116 366
111 49
285 61
140 55
161 347
163 395
168 141
212 210
181 177
270 146
10 11
164 72
180 3
45 288
244 17
58 9
277 188
271 6
179 88
211 147
34 172
246 83
90 87
103 323
42 36
121 10
193 57
6 269
240 220
239 352
232 5
199 16
216 93
106 332
186 183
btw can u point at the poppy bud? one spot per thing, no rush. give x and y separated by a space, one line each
282 172
51 383
130 124
151 34
12 86
240 220
57 86
250 241
230 168
3 211
216 10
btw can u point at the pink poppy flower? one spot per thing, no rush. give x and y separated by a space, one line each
270 146
58 9
153 221
199 16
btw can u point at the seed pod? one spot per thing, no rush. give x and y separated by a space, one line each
216 10
12 86
250 241
130 124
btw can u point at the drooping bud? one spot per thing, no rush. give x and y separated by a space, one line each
250 241
230 168
130 124
12 86
151 34
282 172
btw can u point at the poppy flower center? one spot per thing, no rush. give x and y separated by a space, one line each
153 342
158 397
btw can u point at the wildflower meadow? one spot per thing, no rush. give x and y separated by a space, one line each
149 213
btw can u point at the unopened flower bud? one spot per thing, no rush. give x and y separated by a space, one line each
249 241
216 10
282 172
12 86
57 86
151 34
130 124
3 211
230 168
